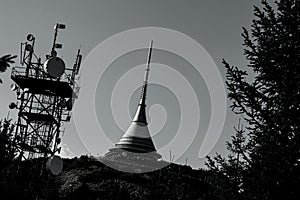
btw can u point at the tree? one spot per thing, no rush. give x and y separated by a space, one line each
269 105
229 182
5 62
6 129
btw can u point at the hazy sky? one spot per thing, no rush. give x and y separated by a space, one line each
215 24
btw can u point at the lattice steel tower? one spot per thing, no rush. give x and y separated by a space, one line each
46 91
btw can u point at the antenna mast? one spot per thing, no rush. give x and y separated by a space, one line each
140 115
145 85
45 94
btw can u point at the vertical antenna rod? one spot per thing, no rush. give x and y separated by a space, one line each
140 115
148 62
144 90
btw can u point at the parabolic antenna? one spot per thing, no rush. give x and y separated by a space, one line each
55 164
55 67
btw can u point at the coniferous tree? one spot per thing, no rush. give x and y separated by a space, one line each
6 129
229 171
270 105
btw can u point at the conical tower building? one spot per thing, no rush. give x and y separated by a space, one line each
137 138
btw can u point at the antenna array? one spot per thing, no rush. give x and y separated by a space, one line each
46 91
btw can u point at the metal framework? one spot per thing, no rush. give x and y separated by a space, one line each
44 102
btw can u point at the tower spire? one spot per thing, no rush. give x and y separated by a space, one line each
137 138
140 115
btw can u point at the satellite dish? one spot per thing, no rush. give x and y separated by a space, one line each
12 105
30 37
70 103
55 164
55 67
62 103
13 87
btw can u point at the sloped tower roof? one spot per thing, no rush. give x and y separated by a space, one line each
137 137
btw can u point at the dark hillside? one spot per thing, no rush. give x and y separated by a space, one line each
87 178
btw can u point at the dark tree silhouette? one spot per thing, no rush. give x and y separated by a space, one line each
267 153
229 172
6 129
5 62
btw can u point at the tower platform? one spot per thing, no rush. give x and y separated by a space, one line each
45 86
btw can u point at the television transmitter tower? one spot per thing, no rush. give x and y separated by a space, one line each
46 91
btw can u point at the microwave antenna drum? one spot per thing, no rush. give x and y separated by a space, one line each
55 164
55 67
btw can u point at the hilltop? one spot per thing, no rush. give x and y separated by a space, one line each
87 178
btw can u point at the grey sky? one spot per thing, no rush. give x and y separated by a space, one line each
215 24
